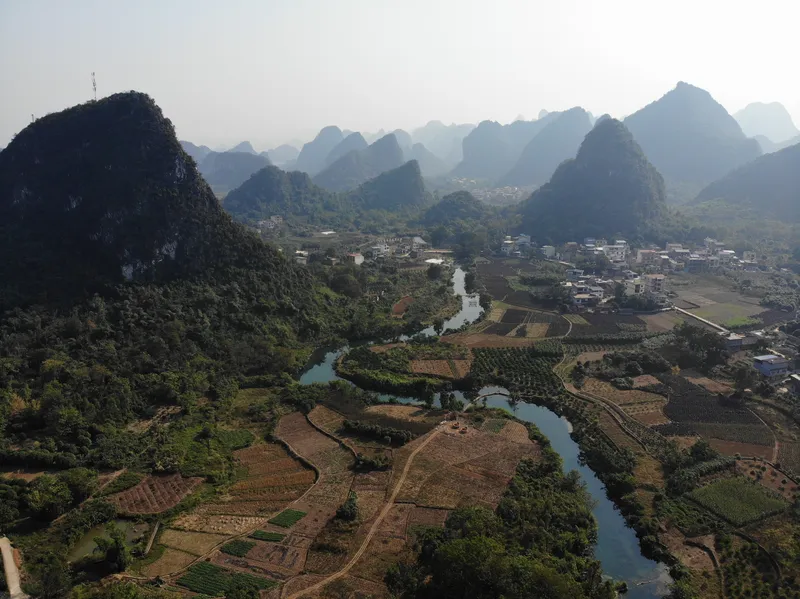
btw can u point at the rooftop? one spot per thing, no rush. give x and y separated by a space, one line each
769 358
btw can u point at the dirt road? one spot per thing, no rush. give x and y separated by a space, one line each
373 529
10 568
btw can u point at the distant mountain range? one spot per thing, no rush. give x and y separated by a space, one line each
296 198
227 170
690 138
283 154
559 140
491 149
312 157
444 141
767 188
358 166
196 152
354 141
770 120
245 147
608 188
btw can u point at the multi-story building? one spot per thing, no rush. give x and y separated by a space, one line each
771 365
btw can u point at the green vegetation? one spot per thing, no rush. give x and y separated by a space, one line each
486 554
272 537
348 511
287 518
208 579
124 481
738 500
238 547
742 322
768 185
369 430
632 203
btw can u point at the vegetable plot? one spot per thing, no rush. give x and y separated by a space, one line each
208 579
287 518
737 500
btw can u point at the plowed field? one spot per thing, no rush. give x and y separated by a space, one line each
154 494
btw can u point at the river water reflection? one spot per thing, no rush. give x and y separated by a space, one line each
617 546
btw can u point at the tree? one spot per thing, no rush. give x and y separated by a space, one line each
52 575
81 482
435 272
744 377
348 511
48 496
114 549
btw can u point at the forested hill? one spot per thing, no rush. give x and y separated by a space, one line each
556 142
358 166
768 188
609 188
81 211
400 189
291 195
295 197
458 206
690 138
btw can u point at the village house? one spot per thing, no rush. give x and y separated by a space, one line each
771 365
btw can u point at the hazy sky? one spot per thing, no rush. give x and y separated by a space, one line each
269 71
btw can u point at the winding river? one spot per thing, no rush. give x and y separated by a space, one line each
617 546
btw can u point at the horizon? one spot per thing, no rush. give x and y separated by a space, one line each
382 68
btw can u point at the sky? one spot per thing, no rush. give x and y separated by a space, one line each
270 71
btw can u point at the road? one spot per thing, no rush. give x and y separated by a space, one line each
373 529
10 568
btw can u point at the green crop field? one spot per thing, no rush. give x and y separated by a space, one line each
237 548
214 581
738 500
273 537
287 518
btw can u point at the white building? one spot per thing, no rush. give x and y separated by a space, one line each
355 258
549 251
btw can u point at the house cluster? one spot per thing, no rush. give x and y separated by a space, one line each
270 224
412 249
676 258
517 246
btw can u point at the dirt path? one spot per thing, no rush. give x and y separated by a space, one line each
11 571
373 529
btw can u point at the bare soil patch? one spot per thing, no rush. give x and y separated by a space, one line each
731 448
399 309
425 516
662 322
692 557
487 340
710 385
643 380
196 543
201 521
683 441
170 561
591 356
609 392
438 368
154 494
771 478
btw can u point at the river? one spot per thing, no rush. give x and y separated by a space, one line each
617 546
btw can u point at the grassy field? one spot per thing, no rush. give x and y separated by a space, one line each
738 500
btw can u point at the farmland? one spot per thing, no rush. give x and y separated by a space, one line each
212 580
737 500
154 494
287 518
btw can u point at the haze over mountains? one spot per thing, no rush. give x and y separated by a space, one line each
771 120
357 166
690 138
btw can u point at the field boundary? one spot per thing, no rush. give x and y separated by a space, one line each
375 525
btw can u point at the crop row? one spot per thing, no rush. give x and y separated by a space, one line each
214 581
287 518
517 368
273 537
